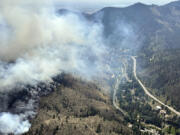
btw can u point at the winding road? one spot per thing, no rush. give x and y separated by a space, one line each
116 87
115 100
146 90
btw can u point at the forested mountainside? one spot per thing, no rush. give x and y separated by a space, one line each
152 34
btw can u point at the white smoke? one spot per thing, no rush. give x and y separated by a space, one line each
36 44
10 123
42 44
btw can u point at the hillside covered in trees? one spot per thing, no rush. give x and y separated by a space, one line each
77 107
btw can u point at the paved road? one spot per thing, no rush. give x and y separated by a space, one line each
115 100
147 92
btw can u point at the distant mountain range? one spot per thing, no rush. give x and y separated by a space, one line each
155 37
153 33
152 24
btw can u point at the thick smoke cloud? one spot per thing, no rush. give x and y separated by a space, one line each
15 124
37 44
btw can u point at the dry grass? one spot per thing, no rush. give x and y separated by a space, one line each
77 108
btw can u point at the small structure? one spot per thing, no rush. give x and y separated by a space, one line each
130 125
113 76
158 108
163 112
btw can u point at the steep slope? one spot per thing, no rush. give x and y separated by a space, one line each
151 23
151 33
77 107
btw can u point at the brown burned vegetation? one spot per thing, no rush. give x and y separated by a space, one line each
77 108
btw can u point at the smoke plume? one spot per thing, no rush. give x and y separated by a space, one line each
15 124
37 44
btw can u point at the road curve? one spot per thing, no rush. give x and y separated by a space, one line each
147 92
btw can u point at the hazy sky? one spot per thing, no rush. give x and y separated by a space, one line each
118 2
93 4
